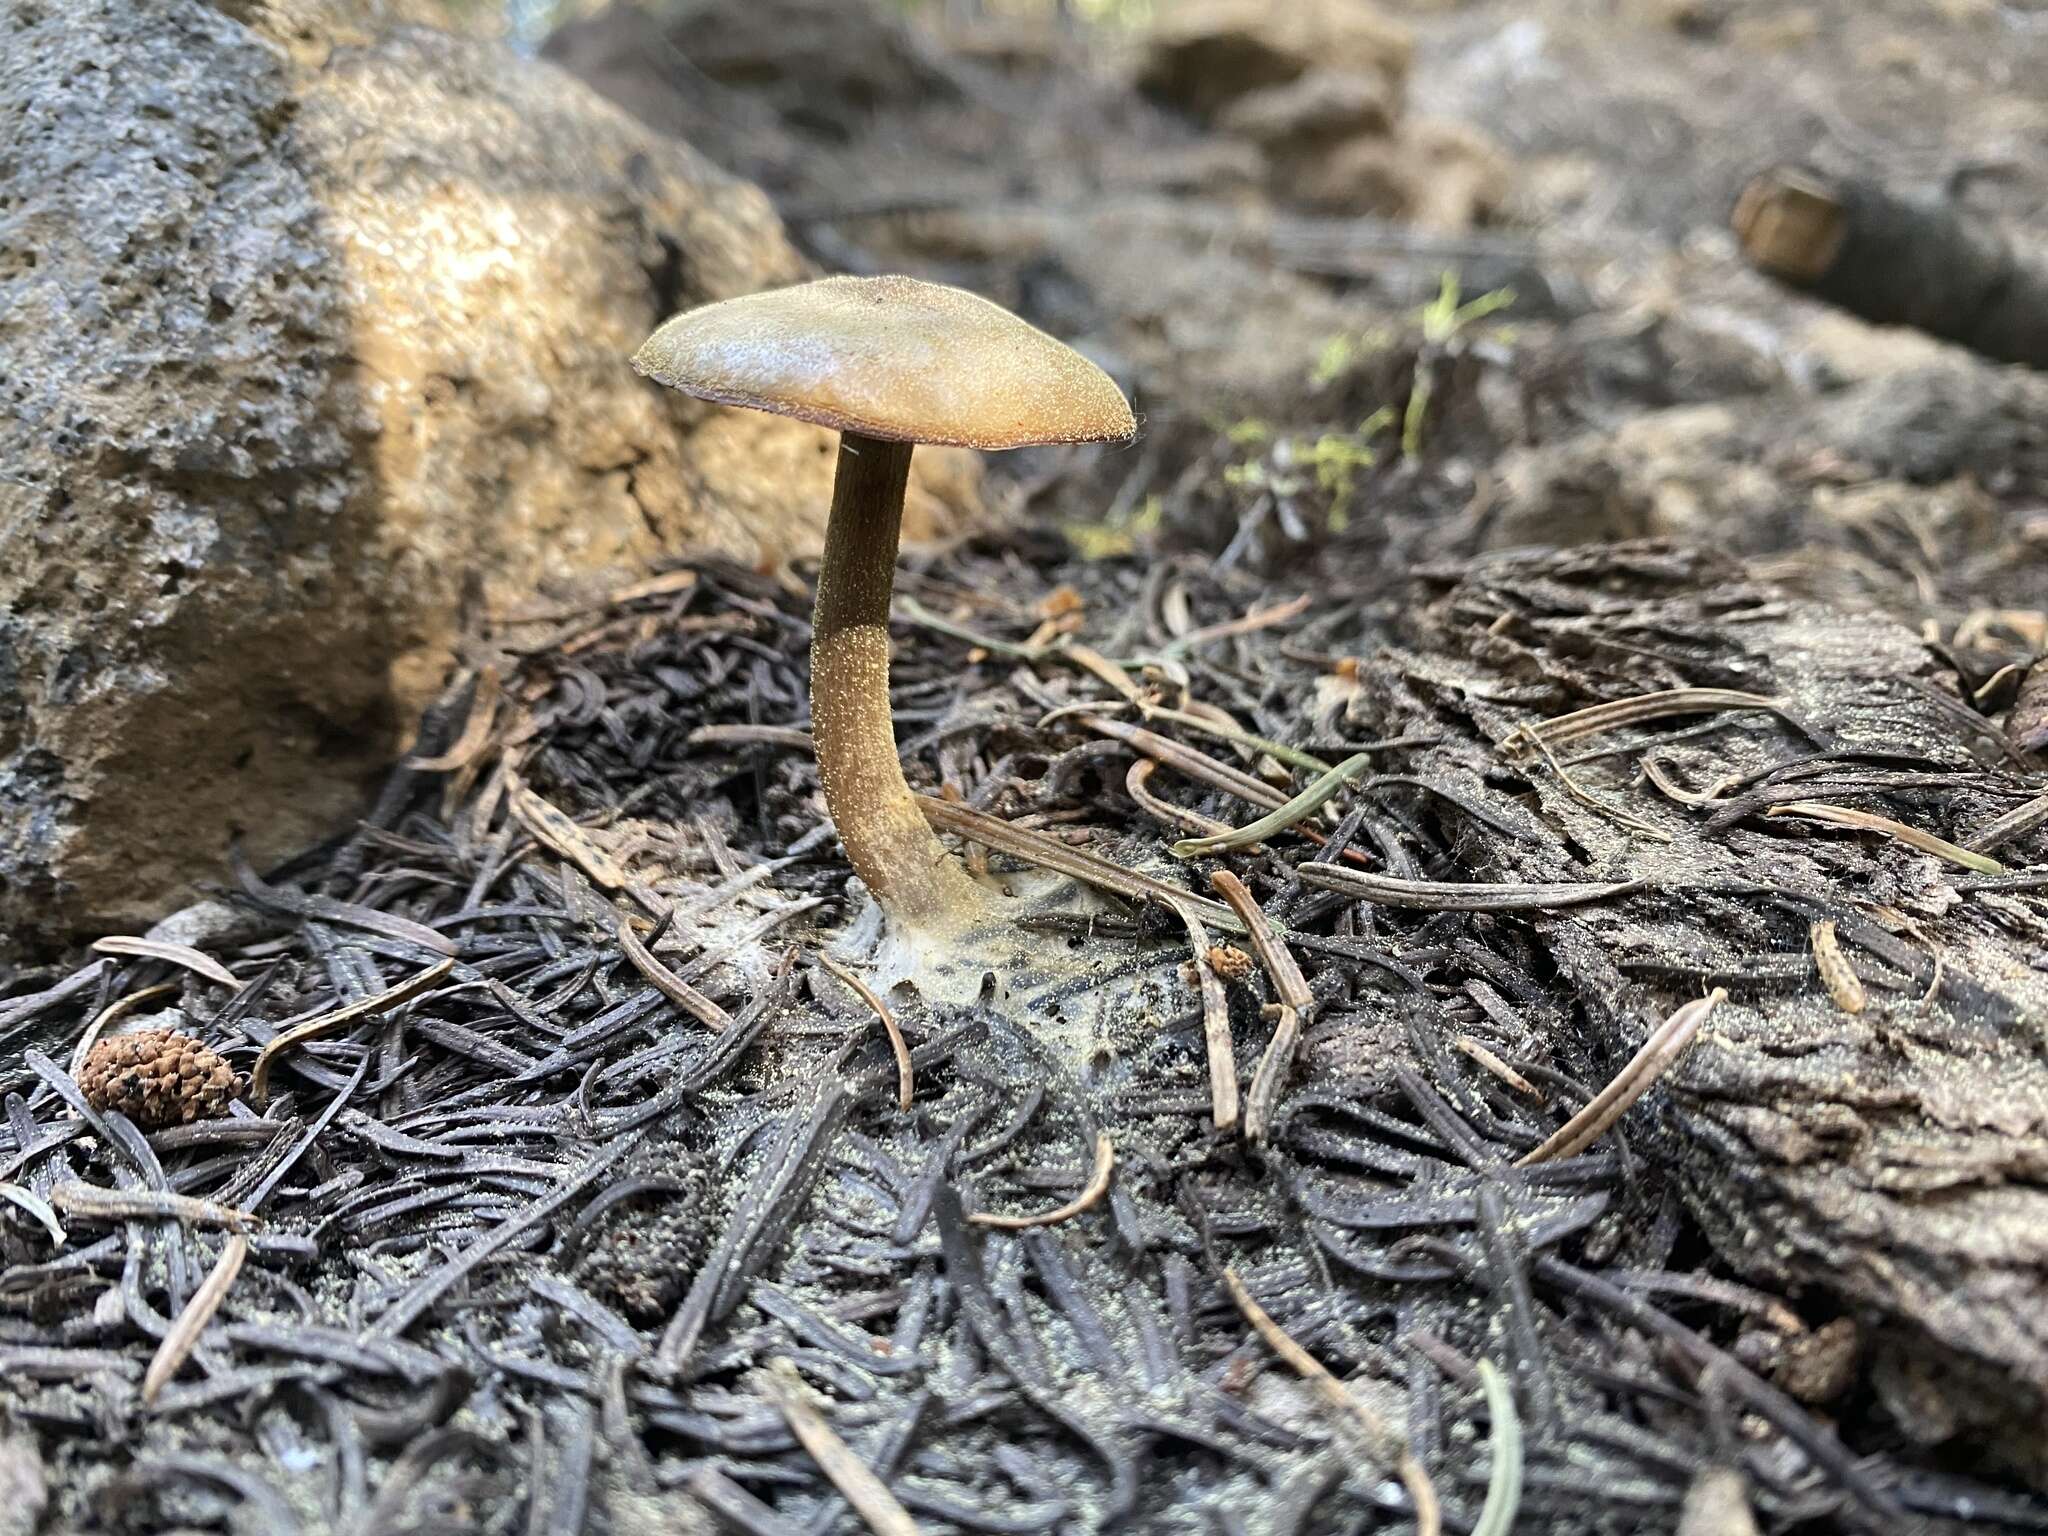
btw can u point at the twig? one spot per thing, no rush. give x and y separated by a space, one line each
1665 1045
750 736
2017 822
340 1019
91 1202
191 1322
1096 1188
1867 821
667 982
905 1082
1381 1442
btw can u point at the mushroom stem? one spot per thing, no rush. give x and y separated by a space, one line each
886 837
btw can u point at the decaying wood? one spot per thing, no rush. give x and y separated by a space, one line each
1898 260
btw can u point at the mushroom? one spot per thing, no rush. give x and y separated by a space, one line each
889 362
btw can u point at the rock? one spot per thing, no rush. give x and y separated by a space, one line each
316 347
1202 55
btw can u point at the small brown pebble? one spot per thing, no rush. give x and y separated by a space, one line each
157 1078
1230 963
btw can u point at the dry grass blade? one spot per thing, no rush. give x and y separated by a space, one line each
868 1495
476 729
1091 1194
906 1083
1381 1442
1223 1103
1088 868
1665 1045
339 1019
553 829
172 954
1458 896
1836 974
185 1331
91 1202
1304 805
1898 831
1644 707
667 982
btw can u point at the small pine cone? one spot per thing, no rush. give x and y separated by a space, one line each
1230 963
157 1077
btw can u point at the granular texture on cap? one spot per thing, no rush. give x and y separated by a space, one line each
894 358
157 1078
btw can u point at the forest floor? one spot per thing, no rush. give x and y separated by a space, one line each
531 1235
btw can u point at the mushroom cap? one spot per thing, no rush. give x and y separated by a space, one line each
890 357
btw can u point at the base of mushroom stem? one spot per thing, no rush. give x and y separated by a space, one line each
1072 988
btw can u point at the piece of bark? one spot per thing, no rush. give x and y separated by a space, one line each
1898 260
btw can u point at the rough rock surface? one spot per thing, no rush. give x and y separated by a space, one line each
316 344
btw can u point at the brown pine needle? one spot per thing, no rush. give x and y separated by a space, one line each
1898 831
173 954
1644 707
552 829
184 1333
476 729
905 1083
1296 1003
868 1495
1665 1045
667 982
1215 1025
339 1019
1381 1442
1097 1187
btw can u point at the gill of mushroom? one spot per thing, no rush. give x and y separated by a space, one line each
889 362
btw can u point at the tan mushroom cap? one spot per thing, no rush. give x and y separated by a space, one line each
894 358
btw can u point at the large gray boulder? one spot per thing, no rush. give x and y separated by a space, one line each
315 347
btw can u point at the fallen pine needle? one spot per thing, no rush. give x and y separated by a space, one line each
1296 1003
1223 1102
905 1083
1867 821
1504 1479
339 1019
173 954
1097 1187
184 1333
1319 793
1458 896
857 1484
1385 1447
36 1206
1666 1044
1648 706
92 1202
667 982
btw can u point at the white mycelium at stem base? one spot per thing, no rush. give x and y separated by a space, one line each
887 839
